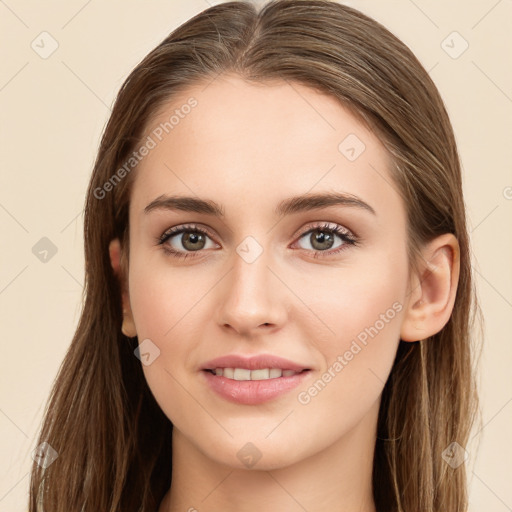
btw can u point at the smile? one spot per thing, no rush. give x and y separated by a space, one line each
246 374
253 387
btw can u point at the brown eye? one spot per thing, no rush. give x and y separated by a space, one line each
193 241
182 240
323 238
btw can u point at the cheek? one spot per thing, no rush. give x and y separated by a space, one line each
363 312
159 297
168 309
357 359
355 301
165 311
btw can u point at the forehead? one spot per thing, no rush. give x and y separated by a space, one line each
245 145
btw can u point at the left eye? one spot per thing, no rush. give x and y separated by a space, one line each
321 238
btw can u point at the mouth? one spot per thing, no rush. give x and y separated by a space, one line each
244 386
253 379
241 374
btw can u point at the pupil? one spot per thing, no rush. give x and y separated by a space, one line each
192 238
323 238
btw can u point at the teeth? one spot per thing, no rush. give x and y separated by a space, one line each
260 374
275 372
227 372
242 374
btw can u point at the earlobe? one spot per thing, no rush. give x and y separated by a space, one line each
128 326
115 251
433 290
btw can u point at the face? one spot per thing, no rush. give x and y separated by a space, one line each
322 286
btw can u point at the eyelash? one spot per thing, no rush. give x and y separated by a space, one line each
348 239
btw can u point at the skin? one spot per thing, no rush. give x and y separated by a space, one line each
248 147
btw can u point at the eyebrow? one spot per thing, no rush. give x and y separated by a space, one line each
288 206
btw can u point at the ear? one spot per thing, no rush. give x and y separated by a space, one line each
118 264
432 289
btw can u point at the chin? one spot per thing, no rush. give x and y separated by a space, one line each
262 455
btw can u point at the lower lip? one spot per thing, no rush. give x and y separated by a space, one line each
252 392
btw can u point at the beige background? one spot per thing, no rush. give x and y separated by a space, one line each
52 114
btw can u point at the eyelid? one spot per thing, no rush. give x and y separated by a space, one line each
321 224
185 227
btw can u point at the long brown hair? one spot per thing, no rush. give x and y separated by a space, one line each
112 439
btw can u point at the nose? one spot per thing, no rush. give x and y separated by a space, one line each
252 298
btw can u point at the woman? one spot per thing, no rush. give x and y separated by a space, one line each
315 353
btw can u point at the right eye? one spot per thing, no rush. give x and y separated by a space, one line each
192 239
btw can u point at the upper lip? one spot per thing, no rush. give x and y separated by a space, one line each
253 363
